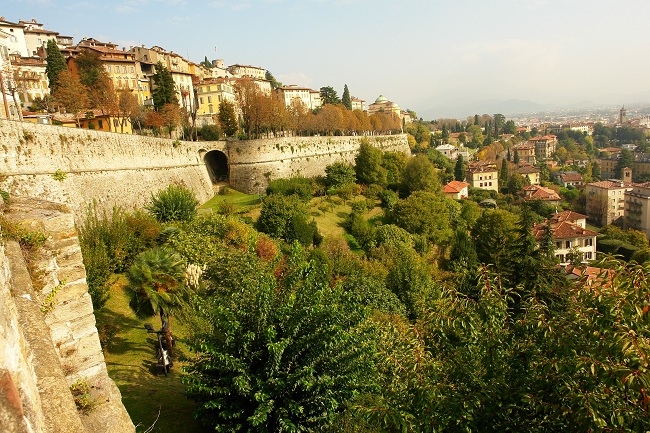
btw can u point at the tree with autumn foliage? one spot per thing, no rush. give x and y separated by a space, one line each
70 94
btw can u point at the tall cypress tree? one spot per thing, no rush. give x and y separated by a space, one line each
504 174
459 169
345 99
164 91
55 64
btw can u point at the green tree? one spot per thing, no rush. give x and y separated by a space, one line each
164 88
273 359
55 64
394 163
206 63
499 122
175 203
368 165
329 96
286 217
504 175
493 235
420 175
345 99
274 83
429 214
339 174
510 127
459 169
227 118
157 286
626 159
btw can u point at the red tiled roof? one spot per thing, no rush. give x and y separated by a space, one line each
564 230
610 184
528 169
544 138
454 187
568 215
571 177
537 192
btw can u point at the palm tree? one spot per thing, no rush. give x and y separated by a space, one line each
156 286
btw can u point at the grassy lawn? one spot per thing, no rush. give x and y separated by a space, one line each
130 359
240 201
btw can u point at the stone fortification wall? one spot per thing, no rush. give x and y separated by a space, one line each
114 169
254 163
78 166
49 340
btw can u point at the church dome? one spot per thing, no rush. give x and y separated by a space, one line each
381 98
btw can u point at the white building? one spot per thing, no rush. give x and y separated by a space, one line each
15 40
569 239
449 150
288 94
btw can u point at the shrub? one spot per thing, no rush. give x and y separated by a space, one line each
209 133
110 243
176 203
81 393
106 333
388 198
286 217
300 186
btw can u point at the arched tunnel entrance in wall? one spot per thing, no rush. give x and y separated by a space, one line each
217 164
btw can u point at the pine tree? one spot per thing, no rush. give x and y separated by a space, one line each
516 156
55 64
164 91
345 99
459 169
504 174
227 118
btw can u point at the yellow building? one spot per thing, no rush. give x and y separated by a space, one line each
211 92
121 66
104 122
483 176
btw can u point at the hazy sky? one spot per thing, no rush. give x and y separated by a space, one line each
423 55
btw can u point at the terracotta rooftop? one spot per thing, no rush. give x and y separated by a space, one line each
571 177
568 215
538 192
544 138
611 184
528 169
454 187
563 230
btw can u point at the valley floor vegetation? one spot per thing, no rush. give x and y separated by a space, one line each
426 315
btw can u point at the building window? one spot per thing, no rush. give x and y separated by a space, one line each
101 124
201 99
568 244
589 242
132 70
210 108
209 100
124 69
558 245
108 68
